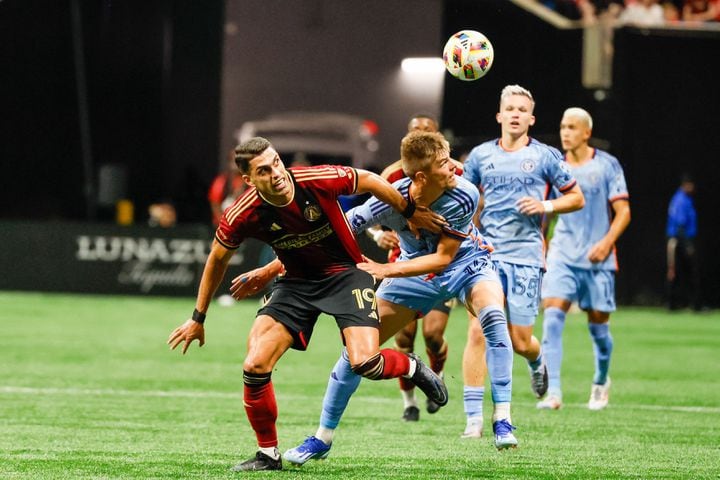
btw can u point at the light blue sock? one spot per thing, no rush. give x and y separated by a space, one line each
535 364
602 346
473 400
552 347
499 353
341 385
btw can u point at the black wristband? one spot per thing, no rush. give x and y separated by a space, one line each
409 210
198 316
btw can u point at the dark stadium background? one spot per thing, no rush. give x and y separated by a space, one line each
161 86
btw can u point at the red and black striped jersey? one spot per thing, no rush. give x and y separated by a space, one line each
310 235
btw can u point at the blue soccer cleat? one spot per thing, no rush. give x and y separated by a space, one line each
311 449
504 437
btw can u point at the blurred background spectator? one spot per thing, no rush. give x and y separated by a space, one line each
701 11
225 188
683 265
642 13
162 214
672 11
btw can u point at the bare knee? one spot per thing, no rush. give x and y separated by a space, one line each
598 317
521 348
404 340
434 341
256 365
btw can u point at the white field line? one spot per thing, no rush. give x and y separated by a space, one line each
11 390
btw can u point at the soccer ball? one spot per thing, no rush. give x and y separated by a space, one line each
468 55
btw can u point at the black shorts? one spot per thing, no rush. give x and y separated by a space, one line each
444 306
348 296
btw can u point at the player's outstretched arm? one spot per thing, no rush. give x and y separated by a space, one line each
249 283
431 263
418 217
193 329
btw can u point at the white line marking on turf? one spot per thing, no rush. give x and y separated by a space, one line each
238 396
117 392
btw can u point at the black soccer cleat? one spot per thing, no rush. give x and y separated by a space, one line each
411 414
539 380
429 382
432 407
260 462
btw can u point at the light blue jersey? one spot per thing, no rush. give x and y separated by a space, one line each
602 182
505 177
471 263
457 205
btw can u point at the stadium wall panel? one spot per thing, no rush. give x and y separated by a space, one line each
107 259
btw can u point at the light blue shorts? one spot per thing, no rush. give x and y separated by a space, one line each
592 289
422 293
521 284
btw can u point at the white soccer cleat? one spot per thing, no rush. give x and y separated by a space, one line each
599 396
473 431
551 402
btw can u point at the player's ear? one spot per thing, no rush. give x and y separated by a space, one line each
247 180
532 120
498 118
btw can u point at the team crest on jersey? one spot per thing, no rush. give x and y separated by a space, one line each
357 221
312 212
527 166
594 179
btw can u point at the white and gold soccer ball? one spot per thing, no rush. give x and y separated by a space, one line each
468 55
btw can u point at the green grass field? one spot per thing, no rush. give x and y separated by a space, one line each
89 389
